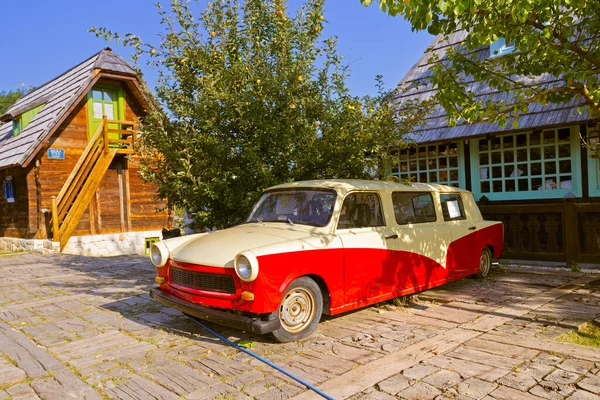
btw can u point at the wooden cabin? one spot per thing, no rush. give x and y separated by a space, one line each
538 179
69 164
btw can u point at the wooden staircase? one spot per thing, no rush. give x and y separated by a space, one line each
79 188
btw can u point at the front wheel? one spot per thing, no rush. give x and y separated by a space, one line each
485 263
299 311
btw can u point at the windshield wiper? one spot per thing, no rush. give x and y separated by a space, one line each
289 220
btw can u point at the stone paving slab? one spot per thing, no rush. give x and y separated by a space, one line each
84 328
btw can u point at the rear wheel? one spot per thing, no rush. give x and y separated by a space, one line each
485 263
299 311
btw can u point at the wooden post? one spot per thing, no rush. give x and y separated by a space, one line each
55 233
571 232
41 220
105 133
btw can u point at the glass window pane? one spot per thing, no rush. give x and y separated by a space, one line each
452 207
550 167
496 172
522 140
564 150
403 166
509 141
522 169
443 176
535 169
413 165
484 159
509 185
550 183
108 96
564 135
522 155
566 182
97 110
109 110
535 153
565 166
536 184
549 152
413 208
523 185
453 162
433 177
422 152
496 143
497 186
422 165
509 156
423 177
453 174
496 157
484 173
534 138
97 95
483 144
549 136
443 161
485 187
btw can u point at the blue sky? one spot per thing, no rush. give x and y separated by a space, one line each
42 39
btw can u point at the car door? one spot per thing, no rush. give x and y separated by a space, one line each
361 227
421 243
462 249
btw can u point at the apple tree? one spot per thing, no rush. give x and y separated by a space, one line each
250 96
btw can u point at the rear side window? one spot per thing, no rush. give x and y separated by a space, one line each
412 208
452 207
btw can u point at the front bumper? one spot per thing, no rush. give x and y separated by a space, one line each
216 316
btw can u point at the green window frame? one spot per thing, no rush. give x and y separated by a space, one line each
434 163
594 164
527 165
19 124
105 100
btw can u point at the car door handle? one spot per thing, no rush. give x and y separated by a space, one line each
391 237
472 228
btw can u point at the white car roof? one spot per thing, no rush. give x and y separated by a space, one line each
347 185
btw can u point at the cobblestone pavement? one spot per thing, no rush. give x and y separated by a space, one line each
84 328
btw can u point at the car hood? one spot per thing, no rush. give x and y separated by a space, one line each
219 248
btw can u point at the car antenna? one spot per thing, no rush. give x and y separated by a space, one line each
289 220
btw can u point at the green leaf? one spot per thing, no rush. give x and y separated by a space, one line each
246 344
515 124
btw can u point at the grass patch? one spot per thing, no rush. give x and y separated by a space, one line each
588 334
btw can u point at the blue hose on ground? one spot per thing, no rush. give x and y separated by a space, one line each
269 363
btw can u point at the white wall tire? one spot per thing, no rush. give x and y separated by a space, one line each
300 310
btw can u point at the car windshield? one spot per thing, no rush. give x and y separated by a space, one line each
294 206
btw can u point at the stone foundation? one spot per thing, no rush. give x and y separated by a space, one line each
114 244
34 245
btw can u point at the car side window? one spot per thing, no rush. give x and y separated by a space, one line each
360 210
452 207
412 208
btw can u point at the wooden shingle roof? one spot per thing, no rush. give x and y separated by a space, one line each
58 95
415 86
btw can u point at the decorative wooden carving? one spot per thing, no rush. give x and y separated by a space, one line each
533 228
551 228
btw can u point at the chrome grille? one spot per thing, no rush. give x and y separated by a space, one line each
203 280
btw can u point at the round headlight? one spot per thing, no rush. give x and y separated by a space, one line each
246 266
159 254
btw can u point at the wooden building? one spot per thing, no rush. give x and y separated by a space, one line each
538 180
69 165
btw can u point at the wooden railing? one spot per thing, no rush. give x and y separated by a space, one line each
79 188
567 231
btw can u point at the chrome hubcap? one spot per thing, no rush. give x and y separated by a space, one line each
484 263
297 310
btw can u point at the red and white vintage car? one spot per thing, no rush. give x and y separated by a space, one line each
325 246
